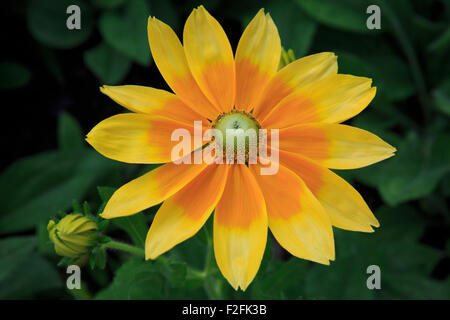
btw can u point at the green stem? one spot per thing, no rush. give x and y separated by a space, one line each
125 247
191 273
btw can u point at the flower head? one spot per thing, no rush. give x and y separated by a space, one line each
73 235
304 102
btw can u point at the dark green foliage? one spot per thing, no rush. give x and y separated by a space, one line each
408 60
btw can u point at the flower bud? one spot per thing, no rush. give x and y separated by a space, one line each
73 235
286 57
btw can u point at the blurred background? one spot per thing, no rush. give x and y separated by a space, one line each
49 84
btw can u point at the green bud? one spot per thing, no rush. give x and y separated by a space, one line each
286 57
73 235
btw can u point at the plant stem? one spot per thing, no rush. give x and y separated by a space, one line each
191 272
125 247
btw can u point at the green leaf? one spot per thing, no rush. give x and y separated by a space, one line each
100 258
105 193
87 209
393 247
175 272
103 225
108 4
349 15
192 251
283 274
108 65
135 279
167 11
296 29
47 23
69 132
22 270
135 226
45 246
389 73
441 44
127 32
441 96
13 75
37 187
412 286
413 172
142 280
53 64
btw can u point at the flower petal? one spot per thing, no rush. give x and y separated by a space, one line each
137 138
153 101
343 204
296 219
183 214
333 99
240 228
257 58
168 54
150 189
335 146
296 74
210 58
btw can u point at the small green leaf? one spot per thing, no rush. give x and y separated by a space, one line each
100 258
108 4
413 172
284 275
35 188
13 75
296 29
108 65
76 207
103 225
87 209
175 272
135 226
47 23
349 15
23 270
69 132
92 257
104 239
441 96
127 33
105 193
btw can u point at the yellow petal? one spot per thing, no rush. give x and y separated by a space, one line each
240 228
296 219
153 101
333 99
136 138
257 59
168 54
296 74
343 204
183 214
150 189
335 146
210 58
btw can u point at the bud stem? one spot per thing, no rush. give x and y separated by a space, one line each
124 247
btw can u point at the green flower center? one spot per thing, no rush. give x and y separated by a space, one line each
239 126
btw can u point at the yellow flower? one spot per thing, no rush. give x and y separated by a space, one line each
73 235
306 100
